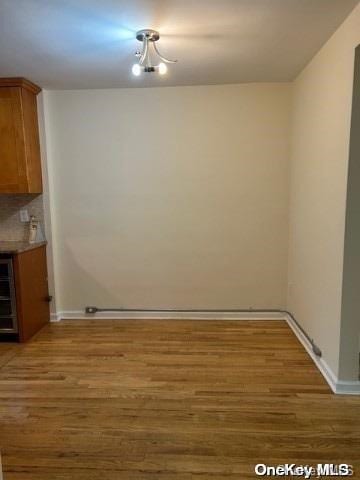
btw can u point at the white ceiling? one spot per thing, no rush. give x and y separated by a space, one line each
62 44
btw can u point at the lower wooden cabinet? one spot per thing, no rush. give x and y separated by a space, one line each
24 296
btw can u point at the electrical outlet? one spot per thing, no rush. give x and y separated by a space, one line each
24 216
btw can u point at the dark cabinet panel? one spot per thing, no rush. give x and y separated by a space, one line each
8 319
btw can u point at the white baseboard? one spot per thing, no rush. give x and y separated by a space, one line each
80 315
54 317
336 385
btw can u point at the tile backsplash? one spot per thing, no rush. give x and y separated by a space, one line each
11 229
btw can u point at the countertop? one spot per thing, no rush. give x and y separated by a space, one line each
18 247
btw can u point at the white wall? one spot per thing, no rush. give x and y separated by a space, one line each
350 305
319 163
170 197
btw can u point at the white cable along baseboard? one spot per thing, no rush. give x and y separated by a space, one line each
336 385
153 315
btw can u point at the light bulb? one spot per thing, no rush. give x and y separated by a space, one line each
162 68
136 69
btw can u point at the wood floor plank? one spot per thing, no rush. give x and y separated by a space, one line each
161 399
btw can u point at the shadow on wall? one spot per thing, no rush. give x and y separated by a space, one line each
86 277
107 277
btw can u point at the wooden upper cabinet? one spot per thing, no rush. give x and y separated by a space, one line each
20 162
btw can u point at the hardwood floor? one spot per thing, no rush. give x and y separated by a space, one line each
172 400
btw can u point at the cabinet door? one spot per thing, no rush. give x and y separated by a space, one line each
31 290
32 144
13 174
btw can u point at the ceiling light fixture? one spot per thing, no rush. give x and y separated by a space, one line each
148 38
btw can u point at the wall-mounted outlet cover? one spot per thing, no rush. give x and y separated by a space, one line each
24 216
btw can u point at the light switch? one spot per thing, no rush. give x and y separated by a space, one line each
24 216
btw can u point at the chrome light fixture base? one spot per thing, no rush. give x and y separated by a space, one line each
151 35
